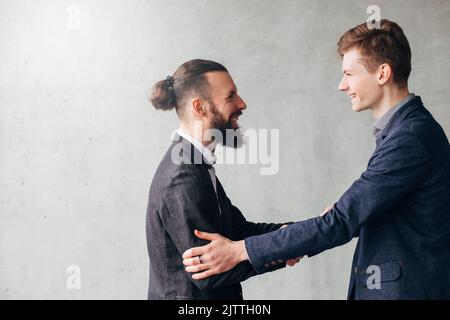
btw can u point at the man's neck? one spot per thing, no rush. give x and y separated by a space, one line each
198 133
389 100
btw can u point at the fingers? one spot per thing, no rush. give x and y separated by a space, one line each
198 251
206 235
197 268
204 274
191 261
194 252
293 262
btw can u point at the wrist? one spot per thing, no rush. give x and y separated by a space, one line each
242 251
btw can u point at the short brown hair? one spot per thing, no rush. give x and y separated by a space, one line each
189 78
388 44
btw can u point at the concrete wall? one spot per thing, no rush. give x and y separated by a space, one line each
79 142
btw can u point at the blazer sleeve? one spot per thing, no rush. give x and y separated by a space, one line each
395 169
188 206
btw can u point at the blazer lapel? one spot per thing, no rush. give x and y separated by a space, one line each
191 155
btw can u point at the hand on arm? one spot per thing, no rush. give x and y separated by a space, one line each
220 255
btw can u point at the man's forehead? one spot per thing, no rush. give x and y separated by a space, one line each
351 59
220 80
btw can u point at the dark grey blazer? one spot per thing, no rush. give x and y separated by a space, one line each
400 210
181 199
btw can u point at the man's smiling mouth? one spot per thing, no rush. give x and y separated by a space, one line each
234 120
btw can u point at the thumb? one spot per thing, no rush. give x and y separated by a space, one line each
206 235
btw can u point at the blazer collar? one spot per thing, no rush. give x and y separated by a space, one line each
188 152
402 113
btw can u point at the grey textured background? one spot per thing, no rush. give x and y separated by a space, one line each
79 142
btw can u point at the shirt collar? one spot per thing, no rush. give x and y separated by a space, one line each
381 123
207 154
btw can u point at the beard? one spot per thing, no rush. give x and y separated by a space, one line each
231 137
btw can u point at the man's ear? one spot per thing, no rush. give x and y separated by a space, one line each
384 73
198 107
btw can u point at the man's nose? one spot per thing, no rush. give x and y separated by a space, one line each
242 105
343 86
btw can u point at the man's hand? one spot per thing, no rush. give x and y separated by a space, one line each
294 261
220 255
328 208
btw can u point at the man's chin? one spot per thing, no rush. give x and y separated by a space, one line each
358 107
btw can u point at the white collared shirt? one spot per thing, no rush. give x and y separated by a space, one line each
207 154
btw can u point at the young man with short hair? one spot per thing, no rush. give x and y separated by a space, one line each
400 206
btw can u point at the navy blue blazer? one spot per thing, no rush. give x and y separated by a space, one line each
400 210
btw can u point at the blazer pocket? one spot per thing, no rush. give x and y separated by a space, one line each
382 273
380 282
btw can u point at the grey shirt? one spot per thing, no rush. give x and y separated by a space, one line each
380 124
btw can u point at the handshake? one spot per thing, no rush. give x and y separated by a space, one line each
223 254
